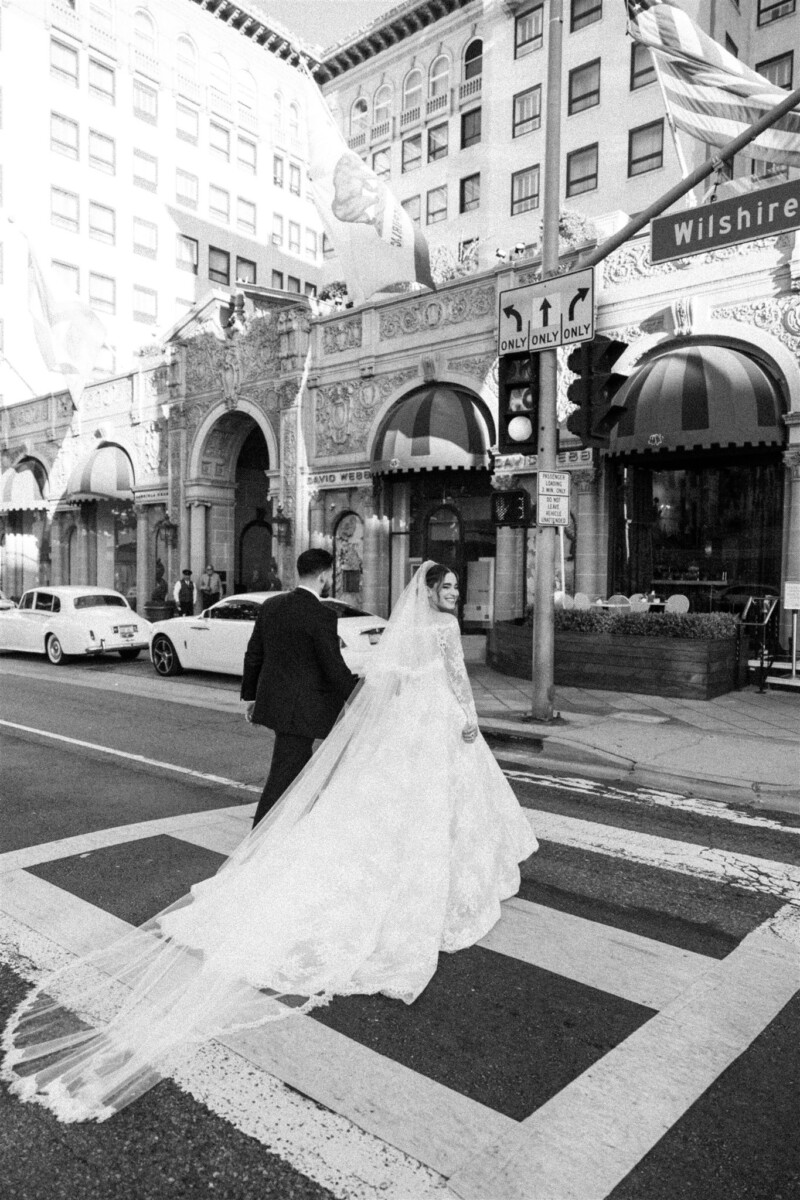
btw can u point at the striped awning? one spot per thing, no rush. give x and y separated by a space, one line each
432 428
698 397
21 487
106 475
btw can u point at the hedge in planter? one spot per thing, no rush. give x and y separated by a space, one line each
668 654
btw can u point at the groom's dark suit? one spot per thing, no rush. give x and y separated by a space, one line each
295 673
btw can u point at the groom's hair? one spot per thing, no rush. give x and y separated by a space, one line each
313 562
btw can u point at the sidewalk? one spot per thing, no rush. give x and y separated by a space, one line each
743 748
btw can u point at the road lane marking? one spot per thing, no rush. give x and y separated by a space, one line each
139 758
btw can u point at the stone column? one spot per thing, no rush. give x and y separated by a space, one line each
509 574
198 553
56 551
143 581
400 537
316 519
371 563
588 577
791 460
82 547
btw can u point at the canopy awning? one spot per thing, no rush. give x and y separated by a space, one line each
698 397
430 429
20 487
106 475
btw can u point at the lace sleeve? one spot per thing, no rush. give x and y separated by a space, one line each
450 643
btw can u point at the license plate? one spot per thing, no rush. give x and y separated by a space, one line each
126 631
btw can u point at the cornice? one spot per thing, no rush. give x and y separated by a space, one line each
397 25
254 24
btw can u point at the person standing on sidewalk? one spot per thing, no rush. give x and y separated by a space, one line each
185 594
210 587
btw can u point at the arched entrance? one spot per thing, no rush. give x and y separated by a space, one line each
254 541
103 485
25 554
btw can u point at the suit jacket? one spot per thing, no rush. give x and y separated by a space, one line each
293 667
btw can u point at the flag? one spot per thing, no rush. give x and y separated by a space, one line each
371 232
709 93
68 332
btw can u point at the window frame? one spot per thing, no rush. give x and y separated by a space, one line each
416 221
146 251
245 164
217 274
145 114
187 262
221 214
535 121
295 180
530 202
293 241
97 233
640 129
592 147
437 152
582 20
240 278
140 314
468 67
408 165
246 226
61 218
382 162
102 303
765 9
143 181
435 216
185 135
649 70
470 140
184 198
65 148
73 56
220 148
775 59
572 99
415 91
107 166
465 205
96 66
525 46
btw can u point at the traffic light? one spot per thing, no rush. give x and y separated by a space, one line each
512 508
518 408
594 389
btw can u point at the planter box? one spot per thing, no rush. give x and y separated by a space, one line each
161 611
682 667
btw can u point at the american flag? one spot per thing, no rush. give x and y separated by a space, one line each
710 94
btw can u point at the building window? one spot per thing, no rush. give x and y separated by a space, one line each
245 215
382 105
382 163
473 59
292 284
772 10
277 229
102 152
186 61
327 247
730 46
311 244
778 70
646 148
582 170
245 270
584 12
145 102
470 128
439 78
186 188
524 190
277 115
219 203
219 141
437 141
64 62
145 305
144 35
277 280
187 123
359 117
63 135
246 153
310 289
527 111
68 276
584 87
102 81
64 209
219 79
642 69
102 223
294 237
436 206
219 265
247 97
145 238
469 193
528 31
145 170
187 253
414 209
277 170
412 154
102 292
412 90
294 179
294 124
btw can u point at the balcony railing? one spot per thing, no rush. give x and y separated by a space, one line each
220 104
102 38
146 64
247 118
409 116
357 141
437 104
470 89
381 132
65 17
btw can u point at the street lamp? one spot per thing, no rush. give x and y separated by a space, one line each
282 526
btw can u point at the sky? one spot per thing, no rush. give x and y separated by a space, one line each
323 23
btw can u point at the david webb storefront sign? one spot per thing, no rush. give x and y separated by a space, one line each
762 213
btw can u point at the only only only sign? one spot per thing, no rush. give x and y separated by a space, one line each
540 316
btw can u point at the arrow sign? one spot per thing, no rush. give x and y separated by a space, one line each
544 309
512 312
581 294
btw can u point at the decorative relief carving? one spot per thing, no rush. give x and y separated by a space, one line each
477 365
584 480
780 318
342 335
632 261
116 394
448 308
149 439
289 464
345 411
791 460
21 416
229 366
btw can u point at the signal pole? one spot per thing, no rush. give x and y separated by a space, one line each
543 624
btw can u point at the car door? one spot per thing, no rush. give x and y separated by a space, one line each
13 622
231 624
28 629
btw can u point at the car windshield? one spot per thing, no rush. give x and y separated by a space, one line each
104 600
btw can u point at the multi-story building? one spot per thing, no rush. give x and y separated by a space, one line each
150 153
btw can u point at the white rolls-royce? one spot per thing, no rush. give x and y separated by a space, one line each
65 621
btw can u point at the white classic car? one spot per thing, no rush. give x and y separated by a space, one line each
216 639
61 621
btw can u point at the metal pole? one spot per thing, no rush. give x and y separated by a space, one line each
543 658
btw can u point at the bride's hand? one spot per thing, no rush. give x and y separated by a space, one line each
469 733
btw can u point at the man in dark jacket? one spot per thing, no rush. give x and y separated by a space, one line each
295 680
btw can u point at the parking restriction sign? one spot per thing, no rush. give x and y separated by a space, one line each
553 498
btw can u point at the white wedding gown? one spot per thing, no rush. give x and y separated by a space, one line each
398 841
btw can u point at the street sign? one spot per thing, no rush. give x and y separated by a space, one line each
791 594
758 214
539 316
553 498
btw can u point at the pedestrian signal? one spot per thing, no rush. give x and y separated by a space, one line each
512 508
518 395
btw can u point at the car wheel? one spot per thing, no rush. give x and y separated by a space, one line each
55 651
165 660
130 655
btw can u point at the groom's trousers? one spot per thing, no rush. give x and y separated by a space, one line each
289 756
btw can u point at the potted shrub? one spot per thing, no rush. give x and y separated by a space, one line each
160 608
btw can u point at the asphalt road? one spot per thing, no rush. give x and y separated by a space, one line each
108 745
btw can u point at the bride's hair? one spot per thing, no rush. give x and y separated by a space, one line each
436 574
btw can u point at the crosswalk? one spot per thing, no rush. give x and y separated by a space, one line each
365 1125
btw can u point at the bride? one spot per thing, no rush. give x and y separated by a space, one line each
398 840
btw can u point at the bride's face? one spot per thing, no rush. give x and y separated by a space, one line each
445 596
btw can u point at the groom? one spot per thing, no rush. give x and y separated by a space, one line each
295 680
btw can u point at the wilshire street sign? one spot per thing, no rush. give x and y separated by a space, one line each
555 312
762 213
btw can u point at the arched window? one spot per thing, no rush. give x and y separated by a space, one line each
473 59
359 116
277 112
144 34
382 105
294 122
219 75
187 58
412 89
247 93
101 15
439 79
